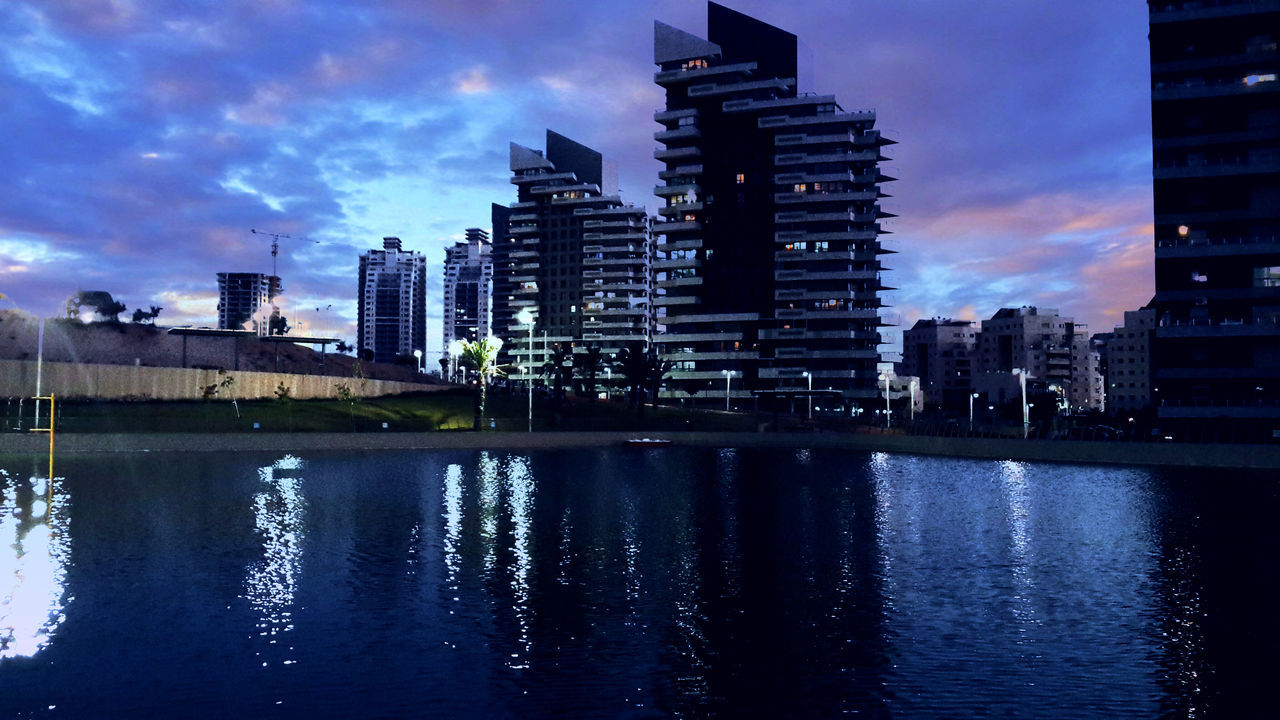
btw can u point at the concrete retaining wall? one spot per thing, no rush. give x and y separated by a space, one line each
82 381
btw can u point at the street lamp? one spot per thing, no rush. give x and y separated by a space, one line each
912 388
806 374
728 376
417 355
885 378
455 351
972 396
525 317
1026 412
608 390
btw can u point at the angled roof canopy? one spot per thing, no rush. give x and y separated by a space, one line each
671 44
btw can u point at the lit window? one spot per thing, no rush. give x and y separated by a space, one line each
1198 277
1268 277
1252 80
741 178
799 187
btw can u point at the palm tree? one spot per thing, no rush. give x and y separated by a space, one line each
588 365
643 372
558 369
482 356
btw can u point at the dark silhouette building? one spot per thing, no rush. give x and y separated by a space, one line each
569 251
244 300
1215 113
768 253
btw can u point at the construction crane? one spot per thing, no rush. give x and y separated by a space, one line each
275 247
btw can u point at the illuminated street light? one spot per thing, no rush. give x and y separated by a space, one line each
525 317
1026 412
806 374
417 355
728 376
972 397
455 351
885 378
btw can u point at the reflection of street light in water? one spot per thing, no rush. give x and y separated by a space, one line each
35 550
270 584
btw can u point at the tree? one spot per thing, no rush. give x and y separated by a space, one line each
141 316
588 365
103 305
277 324
559 370
692 387
482 357
643 371
342 348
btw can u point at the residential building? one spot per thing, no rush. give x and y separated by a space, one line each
768 252
939 351
244 300
570 252
1052 350
468 284
392 320
1128 371
1215 118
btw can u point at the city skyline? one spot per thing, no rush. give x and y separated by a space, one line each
1024 165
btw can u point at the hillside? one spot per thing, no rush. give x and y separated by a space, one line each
132 344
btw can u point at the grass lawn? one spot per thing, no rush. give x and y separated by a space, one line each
426 412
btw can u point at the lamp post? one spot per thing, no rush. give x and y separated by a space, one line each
885 378
1026 412
455 351
972 397
417 356
728 376
525 317
806 374
912 388
608 390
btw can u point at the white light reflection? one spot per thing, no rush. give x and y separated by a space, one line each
272 583
490 487
452 527
35 548
520 497
1014 483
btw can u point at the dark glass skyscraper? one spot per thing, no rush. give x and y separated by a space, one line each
768 258
1215 112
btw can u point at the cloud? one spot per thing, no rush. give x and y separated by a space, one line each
472 81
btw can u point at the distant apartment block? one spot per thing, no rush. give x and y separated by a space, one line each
392 320
1128 373
768 252
1215 117
468 284
939 351
1052 350
244 300
572 253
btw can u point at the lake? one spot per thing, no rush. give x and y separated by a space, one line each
633 583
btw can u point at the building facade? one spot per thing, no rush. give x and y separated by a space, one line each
571 253
939 351
1128 368
1053 350
468 286
768 252
392 320
244 300
1215 107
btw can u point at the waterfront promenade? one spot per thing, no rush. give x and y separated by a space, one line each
1115 453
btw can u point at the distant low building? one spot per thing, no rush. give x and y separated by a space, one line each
939 351
1048 347
1129 362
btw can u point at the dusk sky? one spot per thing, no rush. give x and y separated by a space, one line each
141 140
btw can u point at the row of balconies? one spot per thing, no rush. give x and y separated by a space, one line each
676 226
544 177
785 198
686 132
860 117
712 89
805 353
870 137
680 153
672 77
805 314
808 256
792 236
680 171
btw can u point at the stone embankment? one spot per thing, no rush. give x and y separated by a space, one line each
1160 454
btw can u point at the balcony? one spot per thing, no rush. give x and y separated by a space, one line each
679 209
671 190
676 226
686 132
680 153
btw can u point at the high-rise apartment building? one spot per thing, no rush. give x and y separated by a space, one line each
1215 116
244 300
939 351
572 253
768 254
392 319
468 283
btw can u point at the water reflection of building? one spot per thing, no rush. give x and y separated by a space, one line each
272 583
35 548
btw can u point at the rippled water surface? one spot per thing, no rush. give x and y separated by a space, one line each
633 583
